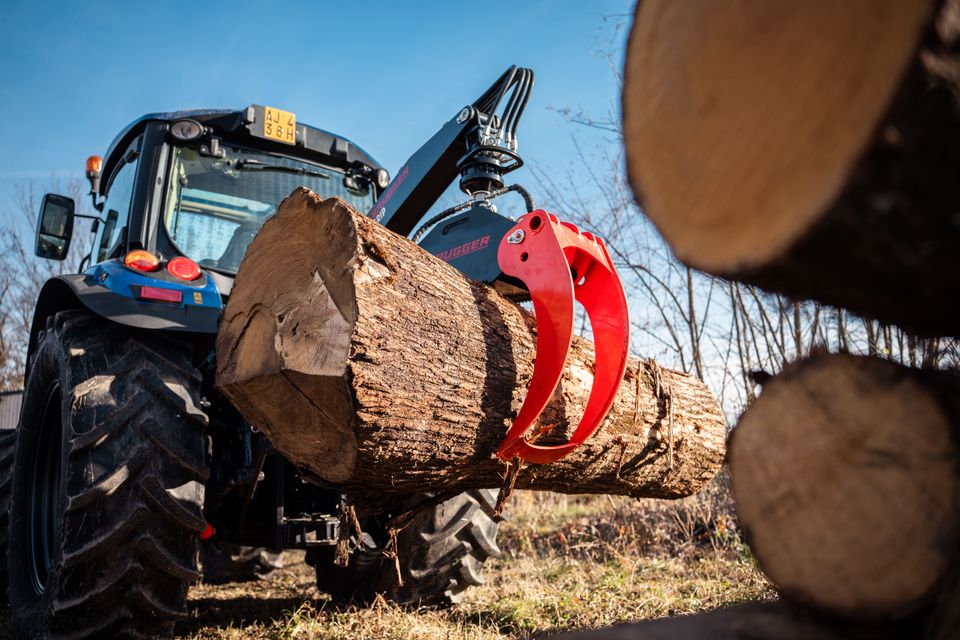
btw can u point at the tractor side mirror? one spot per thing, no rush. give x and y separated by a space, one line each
54 227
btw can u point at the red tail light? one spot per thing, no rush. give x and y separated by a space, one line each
141 260
184 268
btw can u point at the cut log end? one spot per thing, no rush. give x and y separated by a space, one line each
378 367
844 473
739 112
807 148
735 112
288 332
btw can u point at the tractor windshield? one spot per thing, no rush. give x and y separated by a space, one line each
214 206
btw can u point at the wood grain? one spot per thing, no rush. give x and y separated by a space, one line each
376 366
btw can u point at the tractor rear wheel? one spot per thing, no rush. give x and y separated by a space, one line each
8 442
441 553
223 562
108 482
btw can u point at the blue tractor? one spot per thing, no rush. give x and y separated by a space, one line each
127 462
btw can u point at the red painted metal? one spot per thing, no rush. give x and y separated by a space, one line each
560 264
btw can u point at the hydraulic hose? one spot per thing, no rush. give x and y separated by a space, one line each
528 202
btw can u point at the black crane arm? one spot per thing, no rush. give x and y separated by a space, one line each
479 144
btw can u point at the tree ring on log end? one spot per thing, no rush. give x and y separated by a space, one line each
844 474
742 120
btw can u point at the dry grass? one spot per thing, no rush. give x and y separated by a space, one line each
569 562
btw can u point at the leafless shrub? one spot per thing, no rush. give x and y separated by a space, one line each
605 528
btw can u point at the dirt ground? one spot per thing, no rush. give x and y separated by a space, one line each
568 562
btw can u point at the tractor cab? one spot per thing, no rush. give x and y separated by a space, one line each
180 196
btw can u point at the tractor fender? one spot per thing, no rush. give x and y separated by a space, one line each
110 291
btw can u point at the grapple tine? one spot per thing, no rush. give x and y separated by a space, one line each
559 264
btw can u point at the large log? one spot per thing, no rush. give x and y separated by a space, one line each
845 476
376 366
809 148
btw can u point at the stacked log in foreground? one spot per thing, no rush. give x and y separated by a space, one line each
810 148
377 366
845 477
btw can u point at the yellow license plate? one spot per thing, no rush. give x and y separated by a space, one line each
279 125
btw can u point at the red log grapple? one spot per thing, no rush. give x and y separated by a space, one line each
559 264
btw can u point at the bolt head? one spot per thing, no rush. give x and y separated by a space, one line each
516 237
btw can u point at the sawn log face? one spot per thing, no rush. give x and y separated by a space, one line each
378 366
845 477
806 148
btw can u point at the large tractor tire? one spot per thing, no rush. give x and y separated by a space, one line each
8 443
108 481
223 562
441 553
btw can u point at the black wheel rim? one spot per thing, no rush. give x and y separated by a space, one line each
44 502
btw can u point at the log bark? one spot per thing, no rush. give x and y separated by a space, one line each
845 476
376 366
809 148
767 620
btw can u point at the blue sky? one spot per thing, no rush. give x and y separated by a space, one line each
385 74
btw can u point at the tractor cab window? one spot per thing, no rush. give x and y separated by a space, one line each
214 206
116 209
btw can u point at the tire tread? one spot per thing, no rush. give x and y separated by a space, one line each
136 465
442 552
